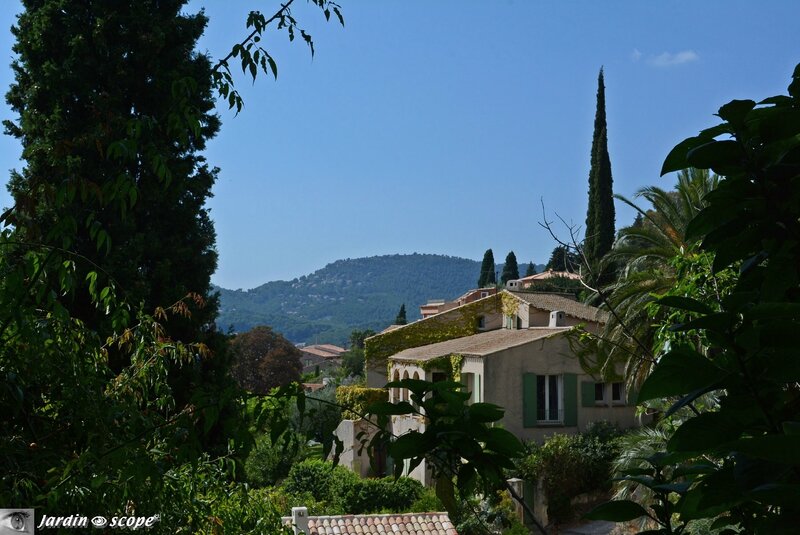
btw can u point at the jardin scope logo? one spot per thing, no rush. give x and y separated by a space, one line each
16 521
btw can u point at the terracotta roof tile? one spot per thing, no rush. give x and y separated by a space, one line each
400 524
551 302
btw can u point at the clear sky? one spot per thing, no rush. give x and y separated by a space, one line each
439 127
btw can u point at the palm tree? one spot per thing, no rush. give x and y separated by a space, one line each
644 254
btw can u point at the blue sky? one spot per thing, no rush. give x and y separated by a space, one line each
440 127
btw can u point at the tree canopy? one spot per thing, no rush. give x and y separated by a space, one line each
263 360
487 276
510 268
600 213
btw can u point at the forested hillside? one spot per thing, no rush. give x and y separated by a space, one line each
360 293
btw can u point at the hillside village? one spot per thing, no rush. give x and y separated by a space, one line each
644 379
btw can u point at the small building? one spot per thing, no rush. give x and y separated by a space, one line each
437 306
319 357
530 281
512 350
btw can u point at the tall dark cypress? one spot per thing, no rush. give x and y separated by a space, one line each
600 214
487 276
510 268
401 316
100 89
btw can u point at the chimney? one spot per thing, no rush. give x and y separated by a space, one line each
299 520
557 319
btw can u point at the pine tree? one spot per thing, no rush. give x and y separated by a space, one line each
561 259
487 276
600 214
510 269
102 90
531 270
401 316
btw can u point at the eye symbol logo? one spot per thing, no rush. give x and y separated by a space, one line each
99 521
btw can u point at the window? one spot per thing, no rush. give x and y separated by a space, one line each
481 322
599 392
616 393
484 294
549 407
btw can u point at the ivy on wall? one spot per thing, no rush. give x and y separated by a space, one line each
456 323
355 399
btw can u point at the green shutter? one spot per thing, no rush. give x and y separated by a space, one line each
529 400
570 400
587 394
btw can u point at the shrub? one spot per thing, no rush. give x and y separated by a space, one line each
318 477
602 430
569 465
357 398
427 502
375 495
267 464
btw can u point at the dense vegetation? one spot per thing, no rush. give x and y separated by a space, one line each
724 458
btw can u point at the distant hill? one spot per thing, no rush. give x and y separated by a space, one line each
359 293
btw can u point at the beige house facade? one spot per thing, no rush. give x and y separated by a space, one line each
517 356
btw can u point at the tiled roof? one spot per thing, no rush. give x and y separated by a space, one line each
320 351
393 524
480 344
551 302
549 274
330 347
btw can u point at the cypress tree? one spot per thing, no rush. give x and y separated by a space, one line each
531 270
401 316
510 268
487 276
600 214
102 90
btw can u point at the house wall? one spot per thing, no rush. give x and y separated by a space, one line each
404 338
552 356
352 433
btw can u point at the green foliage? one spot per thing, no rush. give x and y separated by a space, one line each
510 268
263 360
654 258
359 293
253 58
113 117
530 270
321 415
115 388
353 362
451 324
355 399
569 465
401 316
562 259
426 502
358 336
268 463
343 491
317 477
360 496
458 443
600 214
487 276
737 460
